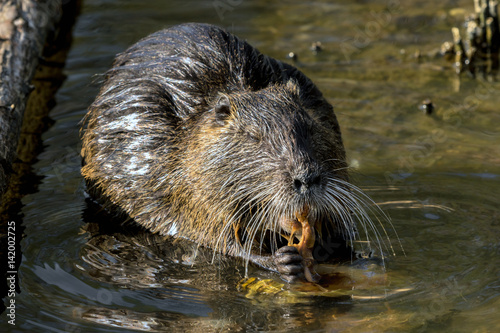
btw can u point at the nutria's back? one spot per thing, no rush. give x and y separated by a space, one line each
197 134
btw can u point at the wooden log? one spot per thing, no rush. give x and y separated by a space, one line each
24 27
33 52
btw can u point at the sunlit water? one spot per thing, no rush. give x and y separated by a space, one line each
437 177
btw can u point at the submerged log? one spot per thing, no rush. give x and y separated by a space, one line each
34 40
24 28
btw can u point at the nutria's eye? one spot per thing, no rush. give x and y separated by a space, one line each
222 110
324 119
254 137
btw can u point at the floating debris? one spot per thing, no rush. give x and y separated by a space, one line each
479 53
293 56
426 106
316 47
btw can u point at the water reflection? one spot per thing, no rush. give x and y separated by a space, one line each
181 281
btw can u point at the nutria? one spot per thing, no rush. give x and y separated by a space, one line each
196 134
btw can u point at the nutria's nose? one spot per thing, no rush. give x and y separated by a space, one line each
302 183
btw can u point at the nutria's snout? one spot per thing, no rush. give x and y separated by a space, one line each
306 181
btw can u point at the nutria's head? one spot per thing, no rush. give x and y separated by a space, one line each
255 161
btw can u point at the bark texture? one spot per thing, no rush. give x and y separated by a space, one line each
24 28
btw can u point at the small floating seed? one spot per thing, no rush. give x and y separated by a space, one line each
293 56
426 106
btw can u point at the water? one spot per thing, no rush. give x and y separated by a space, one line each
437 177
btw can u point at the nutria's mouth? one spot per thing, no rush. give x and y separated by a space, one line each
302 228
298 231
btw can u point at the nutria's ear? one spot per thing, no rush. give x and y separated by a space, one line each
222 110
293 86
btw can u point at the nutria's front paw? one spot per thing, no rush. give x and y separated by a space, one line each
289 263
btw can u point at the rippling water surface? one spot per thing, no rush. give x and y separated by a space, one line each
437 176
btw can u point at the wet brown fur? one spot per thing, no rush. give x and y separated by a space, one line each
197 134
